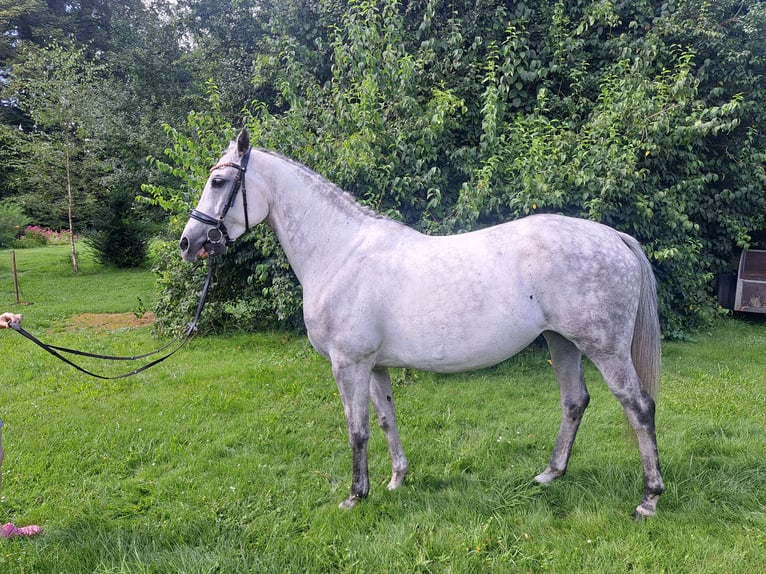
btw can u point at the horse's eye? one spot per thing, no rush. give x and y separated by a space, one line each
217 182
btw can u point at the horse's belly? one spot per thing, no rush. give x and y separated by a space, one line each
451 322
443 361
457 347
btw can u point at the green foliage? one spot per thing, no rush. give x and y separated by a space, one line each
449 122
372 129
253 288
634 163
32 237
380 126
649 116
57 88
189 160
117 72
36 236
120 238
13 220
384 125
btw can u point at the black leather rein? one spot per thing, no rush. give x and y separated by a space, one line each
217 241
179 341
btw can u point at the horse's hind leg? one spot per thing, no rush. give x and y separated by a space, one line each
623 381
567 364
383 401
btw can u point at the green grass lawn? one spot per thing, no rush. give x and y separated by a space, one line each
232 456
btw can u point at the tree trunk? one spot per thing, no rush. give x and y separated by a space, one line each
75 264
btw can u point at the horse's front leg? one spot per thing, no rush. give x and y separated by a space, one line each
353 382
383 401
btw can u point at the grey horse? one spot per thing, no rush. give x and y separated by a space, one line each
378 294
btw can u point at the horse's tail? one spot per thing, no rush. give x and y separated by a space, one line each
645 349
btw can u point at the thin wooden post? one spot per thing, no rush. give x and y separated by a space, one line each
15 275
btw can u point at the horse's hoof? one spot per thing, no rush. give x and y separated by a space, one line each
648 506
547 476
396 480
644 510
350 502
544 478
643 513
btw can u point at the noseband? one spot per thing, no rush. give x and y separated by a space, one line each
218 239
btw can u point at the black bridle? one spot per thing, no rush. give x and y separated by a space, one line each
218 239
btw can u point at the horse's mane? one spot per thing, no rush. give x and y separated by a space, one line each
341 198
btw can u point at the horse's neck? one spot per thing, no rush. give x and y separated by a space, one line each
317 225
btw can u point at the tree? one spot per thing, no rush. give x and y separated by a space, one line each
121 238
55 89
129 74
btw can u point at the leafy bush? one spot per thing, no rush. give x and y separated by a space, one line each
253 288
33 236
450 121
13 220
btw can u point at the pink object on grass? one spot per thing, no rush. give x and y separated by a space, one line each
10 530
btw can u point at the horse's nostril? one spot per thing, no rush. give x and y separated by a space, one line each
184 244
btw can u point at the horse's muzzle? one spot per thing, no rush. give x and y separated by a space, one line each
217 243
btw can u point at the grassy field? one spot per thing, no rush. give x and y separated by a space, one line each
232 456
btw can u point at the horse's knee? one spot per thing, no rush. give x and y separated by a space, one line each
358 438
383 421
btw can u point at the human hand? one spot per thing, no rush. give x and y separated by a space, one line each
7 318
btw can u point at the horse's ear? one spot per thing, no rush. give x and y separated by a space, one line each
243 141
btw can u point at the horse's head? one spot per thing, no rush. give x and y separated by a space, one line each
220 217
